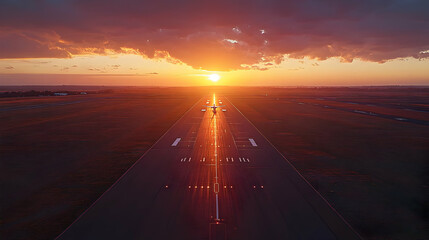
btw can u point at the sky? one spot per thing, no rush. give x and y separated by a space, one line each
182 43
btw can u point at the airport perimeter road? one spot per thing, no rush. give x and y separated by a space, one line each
211 176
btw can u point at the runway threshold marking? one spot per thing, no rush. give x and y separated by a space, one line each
176 142
252 141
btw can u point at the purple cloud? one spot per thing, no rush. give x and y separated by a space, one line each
217 35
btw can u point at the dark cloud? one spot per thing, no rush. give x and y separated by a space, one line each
9 68
217 35
13 45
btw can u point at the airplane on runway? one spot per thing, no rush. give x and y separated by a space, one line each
214 107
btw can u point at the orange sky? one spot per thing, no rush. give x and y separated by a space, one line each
135 70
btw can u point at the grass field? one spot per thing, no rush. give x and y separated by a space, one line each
373 170
59 154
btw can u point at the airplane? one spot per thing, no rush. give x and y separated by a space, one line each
214 107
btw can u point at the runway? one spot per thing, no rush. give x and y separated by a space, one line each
211 176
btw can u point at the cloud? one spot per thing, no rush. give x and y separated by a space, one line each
34 62
9 68
14 45
153 73
295 69
217 35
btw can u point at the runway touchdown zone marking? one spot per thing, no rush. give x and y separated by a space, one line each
176 142
252 141
185 159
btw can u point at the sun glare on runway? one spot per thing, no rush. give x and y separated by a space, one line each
214 77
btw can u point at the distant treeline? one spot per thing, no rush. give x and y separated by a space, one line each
33 93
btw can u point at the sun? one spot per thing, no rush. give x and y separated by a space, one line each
214 77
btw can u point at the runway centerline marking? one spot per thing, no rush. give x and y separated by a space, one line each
216 185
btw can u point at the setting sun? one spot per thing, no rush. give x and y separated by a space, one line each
214 77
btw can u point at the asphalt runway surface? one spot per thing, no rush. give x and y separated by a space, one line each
211 176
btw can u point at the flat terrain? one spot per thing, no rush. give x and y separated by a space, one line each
211 176
59 154
364 149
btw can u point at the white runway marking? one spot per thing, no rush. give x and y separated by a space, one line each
253 142
362 112
176 142
216 184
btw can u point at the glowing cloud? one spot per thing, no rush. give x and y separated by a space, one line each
216 35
